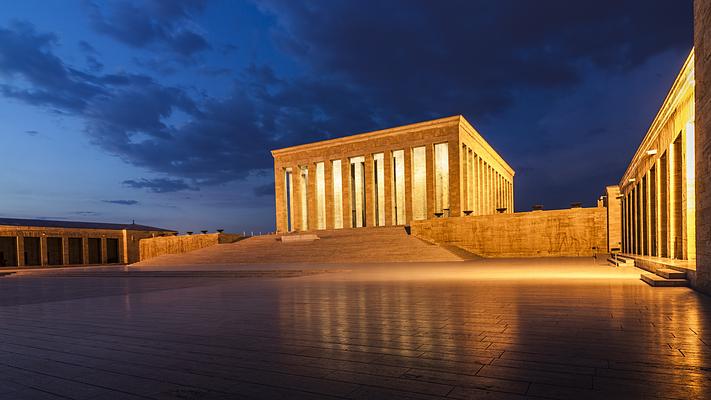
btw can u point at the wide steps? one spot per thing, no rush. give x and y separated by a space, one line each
620 261
671 273
659 281
360 245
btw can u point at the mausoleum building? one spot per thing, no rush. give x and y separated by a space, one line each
432 169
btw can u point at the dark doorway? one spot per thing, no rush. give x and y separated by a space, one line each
76 251
54 251
8 251
94 245
112 251
32 251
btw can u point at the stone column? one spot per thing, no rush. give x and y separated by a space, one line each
346 192
388 189
430 179
648 211
43 249
408 185
20 251
369 191
104 258
702 43
328 187
475 183
296 197
65 250
455 180
311 198
464 167
280 198
85 249
484 188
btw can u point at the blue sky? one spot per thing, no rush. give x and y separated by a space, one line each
165 112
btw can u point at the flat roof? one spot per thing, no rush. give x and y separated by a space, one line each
44 223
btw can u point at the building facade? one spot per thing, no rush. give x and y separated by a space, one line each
657 191
431 169
702 76
26 242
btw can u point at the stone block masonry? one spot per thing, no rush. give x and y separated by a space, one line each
158 246
702 48
558 233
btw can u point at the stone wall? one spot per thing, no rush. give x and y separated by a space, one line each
573 232
158 246
702 49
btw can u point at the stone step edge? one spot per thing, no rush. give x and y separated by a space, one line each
658 281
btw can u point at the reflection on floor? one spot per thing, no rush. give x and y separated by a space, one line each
509 329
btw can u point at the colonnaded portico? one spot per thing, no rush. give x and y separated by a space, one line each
437 168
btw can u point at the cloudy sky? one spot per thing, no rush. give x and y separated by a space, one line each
165 111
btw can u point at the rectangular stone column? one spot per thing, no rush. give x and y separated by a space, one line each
369 190
430 180
85 249
702 148
104 258
388 189
43 250
483 184
311 197
455 179
65 250
648 212
328 187
296 200
20 251
280 198
408 185
346 192
464 168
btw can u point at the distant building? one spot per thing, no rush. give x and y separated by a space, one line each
431 169
32 242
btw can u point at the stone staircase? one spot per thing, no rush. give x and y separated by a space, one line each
620 261
659 274
361 245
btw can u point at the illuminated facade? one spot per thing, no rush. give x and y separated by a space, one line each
38 243
656 193
431 169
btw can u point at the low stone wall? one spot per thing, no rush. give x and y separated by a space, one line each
162 245
557 233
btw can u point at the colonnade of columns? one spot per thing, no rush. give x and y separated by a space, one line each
44 249
391 187
484 189
658 212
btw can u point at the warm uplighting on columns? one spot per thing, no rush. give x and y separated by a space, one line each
441 177
320 196
419 183
337 194
398 186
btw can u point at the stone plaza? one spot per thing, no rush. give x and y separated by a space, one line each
399 269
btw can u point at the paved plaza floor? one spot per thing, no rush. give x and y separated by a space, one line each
503 329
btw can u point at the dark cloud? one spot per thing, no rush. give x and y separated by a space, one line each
165 24
84 213
423 57
363 66
159 185
32 132
121 202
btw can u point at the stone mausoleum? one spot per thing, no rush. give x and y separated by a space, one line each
32 242
432 169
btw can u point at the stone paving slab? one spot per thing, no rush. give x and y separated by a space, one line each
493 330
